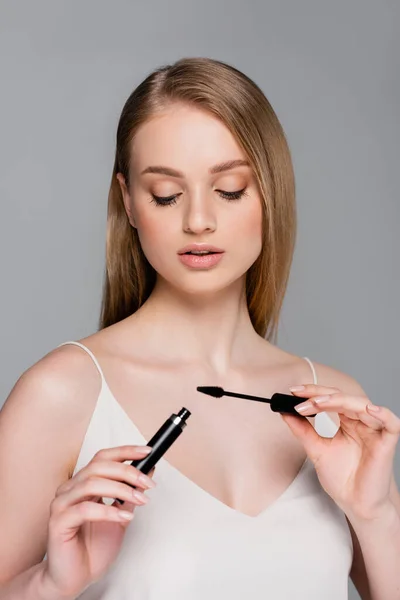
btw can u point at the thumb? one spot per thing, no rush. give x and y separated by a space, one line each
304 431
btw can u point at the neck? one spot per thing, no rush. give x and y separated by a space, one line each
213 329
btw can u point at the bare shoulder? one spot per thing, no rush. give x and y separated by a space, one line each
329 376
55 395
49 408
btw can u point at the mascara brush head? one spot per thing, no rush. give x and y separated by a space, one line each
211 390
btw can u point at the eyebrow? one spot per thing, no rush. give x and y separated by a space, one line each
225 166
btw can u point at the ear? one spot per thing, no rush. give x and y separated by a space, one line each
126 198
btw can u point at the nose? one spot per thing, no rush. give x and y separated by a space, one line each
199 215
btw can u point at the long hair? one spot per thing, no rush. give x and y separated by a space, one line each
240 104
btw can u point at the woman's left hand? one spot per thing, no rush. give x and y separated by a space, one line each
354 467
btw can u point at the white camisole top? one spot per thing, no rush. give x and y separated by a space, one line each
187 545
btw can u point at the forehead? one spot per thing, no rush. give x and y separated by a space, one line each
184 137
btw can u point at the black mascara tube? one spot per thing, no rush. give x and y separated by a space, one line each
161 441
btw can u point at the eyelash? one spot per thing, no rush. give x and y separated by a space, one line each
170 200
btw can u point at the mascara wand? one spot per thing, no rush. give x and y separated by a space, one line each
282 403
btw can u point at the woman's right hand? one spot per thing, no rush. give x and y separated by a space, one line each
84 534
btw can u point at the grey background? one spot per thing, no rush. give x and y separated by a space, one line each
331 72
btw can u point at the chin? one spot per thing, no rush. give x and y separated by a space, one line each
206 283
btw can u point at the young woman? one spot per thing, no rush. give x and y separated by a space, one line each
247 502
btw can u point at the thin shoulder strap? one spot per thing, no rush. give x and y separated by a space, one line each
92 356
312 369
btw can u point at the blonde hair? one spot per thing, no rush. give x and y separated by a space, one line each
240 104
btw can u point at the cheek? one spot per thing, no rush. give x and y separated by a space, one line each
155 235
254 223
248 227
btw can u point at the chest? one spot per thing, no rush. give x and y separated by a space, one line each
237 451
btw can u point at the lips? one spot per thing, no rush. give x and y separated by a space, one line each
201 261
200 248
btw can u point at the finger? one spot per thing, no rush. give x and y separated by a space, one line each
335 401
109 470
78 514
118 454
352 407
390 420
124 506
313 443
120 472
121 453
311 389
97 487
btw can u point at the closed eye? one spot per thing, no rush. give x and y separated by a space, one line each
170 200
233 195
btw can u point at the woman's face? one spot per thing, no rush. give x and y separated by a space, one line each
195 208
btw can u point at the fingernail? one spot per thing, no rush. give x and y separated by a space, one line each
123 514
297 388
144 449
147 481
139 496
373 407
303 407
